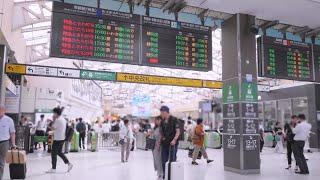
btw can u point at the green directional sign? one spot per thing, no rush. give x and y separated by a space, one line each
249 92
98 75
230 93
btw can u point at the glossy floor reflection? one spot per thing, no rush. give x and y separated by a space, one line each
105 164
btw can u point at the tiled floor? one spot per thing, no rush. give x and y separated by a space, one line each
105 165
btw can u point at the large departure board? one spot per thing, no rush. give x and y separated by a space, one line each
285 59
176 44
316 57
89 33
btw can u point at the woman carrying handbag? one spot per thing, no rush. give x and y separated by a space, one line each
125 141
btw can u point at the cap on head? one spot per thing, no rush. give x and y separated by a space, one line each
165 109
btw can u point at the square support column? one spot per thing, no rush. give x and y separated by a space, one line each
241 140
3 56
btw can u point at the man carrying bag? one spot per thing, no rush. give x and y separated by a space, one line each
7 133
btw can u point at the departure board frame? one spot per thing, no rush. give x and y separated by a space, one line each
88 33
77 33
285 59
168 43
316 59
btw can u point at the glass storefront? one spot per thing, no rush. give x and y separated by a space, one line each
281 111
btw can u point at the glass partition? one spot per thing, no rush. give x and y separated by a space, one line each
300 106
284 111
281 110
269 115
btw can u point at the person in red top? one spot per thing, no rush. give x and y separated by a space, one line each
198 142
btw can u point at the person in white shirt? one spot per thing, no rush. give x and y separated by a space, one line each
7 133
59 127
41 130
301 131
126 136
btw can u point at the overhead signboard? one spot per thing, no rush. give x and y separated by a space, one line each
68 73
159 80
285 59
15 68
39 70
98 75
88 33
176 44
59 72
212 84
316 56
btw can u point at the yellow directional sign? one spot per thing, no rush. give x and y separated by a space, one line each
16 68
212 84
159 80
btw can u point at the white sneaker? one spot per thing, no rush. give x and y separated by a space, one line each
70 166
51 171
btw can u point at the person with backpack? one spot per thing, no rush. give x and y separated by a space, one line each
198 142
81 128
59 127
170 133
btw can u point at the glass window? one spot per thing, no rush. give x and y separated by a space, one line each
269 115
300 106
284 111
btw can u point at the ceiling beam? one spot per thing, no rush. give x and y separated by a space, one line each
269 24
29 2
314 32
36 29
37 38
40 44
31 12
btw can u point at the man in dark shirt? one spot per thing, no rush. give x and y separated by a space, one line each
170 132
81 128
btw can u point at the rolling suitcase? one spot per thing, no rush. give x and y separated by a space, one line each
17 164
174 170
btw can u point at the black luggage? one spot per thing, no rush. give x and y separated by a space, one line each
17 171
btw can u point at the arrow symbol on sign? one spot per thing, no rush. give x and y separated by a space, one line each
30 69
10 68
61 72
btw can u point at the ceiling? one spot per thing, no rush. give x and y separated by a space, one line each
294 12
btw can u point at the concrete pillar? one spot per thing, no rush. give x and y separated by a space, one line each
240 96
3 56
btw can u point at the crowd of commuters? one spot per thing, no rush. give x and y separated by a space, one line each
166 134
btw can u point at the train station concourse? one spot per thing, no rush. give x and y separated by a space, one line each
160 89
